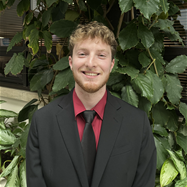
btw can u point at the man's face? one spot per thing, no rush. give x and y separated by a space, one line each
91 64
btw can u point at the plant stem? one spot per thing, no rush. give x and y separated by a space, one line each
150 65
110 6
132 13
53 56
153 22
51 84
153 61
119 24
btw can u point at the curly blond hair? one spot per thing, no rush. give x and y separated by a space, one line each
93 30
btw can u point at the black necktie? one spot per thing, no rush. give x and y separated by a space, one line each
88 143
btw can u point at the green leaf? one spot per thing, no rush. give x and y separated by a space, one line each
16 39
129 70
183 110
144 59
165 5
2 124
50 2
173 89
29 29
5 147
177 65
33 40
125 5
71 15
40 79
117 87
82 5
46 17
10 3
94 5
182 141
115 78
168 173
129 95
156 55
160 114
167 25
63 28
179 153
147 8
179 165
15 65
173 37
183 129
2 101
30 103
146 36
171 139
115 94
159 38
22 174
143 85
173 9
7 113
62 64
181 183
47 39
10 167
161 153
128 37
63 79
158 89
22 7
172 123
132 56
4 2
115 68
13 179
25 112
28 17
122 60
68 1
58 12
158 129
144 104
6 138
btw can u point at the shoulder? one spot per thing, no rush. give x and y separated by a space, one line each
53 107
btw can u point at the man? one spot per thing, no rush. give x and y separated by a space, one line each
123 152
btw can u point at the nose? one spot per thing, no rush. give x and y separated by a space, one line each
90 62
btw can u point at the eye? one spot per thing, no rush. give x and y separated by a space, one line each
81 54
102 55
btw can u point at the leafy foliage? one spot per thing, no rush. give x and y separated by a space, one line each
141 76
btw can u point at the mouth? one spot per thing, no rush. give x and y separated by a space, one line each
90 73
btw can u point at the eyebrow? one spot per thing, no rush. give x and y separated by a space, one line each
99 50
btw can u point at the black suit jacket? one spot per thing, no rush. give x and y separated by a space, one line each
126 154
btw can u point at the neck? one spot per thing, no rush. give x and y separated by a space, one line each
89 100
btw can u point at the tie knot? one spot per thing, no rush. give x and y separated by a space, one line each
89 115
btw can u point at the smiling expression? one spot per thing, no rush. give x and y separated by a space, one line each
91 65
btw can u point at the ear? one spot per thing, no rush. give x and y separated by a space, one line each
112 64
70 62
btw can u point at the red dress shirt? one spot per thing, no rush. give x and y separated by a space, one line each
97 122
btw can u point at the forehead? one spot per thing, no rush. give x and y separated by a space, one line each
90 43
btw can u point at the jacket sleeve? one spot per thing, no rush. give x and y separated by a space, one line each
33 163
146 170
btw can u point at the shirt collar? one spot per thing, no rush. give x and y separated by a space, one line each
99 107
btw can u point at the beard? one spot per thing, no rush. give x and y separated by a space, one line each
90 87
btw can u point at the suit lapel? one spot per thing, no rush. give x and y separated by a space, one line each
108 135
69 131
